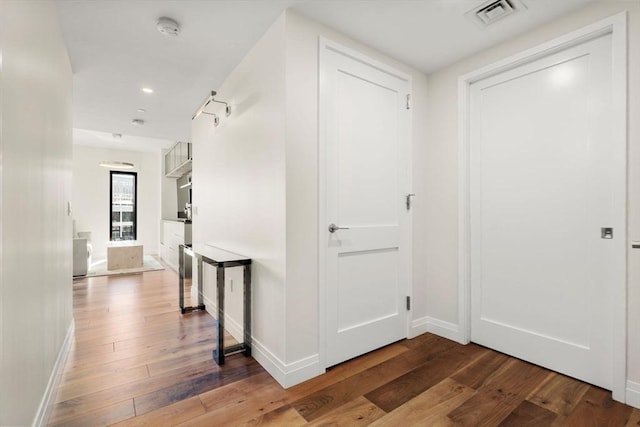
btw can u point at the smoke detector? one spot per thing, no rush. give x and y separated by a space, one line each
168 27
494 10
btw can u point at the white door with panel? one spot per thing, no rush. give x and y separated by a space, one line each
365 125
547 202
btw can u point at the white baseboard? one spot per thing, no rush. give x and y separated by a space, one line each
633 394
452 331
418 327
290 374
234 328
287 375
444 329
230 324
209 305
44 410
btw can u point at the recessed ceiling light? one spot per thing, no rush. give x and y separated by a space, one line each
147 90
141 110
137 122
116 165
116 135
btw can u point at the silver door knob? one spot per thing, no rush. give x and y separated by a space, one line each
333 228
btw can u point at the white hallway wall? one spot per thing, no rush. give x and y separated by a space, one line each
239 182
90 195
440 162
260 199
35 186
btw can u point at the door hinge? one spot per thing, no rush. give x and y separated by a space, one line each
408 303
408 101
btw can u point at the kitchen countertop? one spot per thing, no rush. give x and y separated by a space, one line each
186 221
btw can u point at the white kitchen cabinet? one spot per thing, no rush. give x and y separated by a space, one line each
174 233
177 161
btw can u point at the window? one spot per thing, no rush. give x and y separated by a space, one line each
123 205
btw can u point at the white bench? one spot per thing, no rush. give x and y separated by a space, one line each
124 254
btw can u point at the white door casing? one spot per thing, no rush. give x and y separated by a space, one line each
365 176
544 144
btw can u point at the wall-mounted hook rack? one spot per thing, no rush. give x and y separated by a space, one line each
210 99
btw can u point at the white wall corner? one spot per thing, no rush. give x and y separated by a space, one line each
444 329
290 374
418 327
46 404
633 394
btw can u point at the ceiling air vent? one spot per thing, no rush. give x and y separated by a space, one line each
494 10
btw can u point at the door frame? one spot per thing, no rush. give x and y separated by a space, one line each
615 25
324 45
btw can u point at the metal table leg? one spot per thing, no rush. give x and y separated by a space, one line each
247 310
181 278
218 352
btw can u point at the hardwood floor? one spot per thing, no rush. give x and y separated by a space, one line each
136 361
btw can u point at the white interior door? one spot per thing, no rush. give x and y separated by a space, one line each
545 179
365 141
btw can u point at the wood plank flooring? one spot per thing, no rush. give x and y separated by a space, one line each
136 361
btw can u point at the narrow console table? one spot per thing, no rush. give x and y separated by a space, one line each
220 259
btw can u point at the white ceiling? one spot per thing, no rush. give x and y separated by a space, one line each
98 139
115 50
